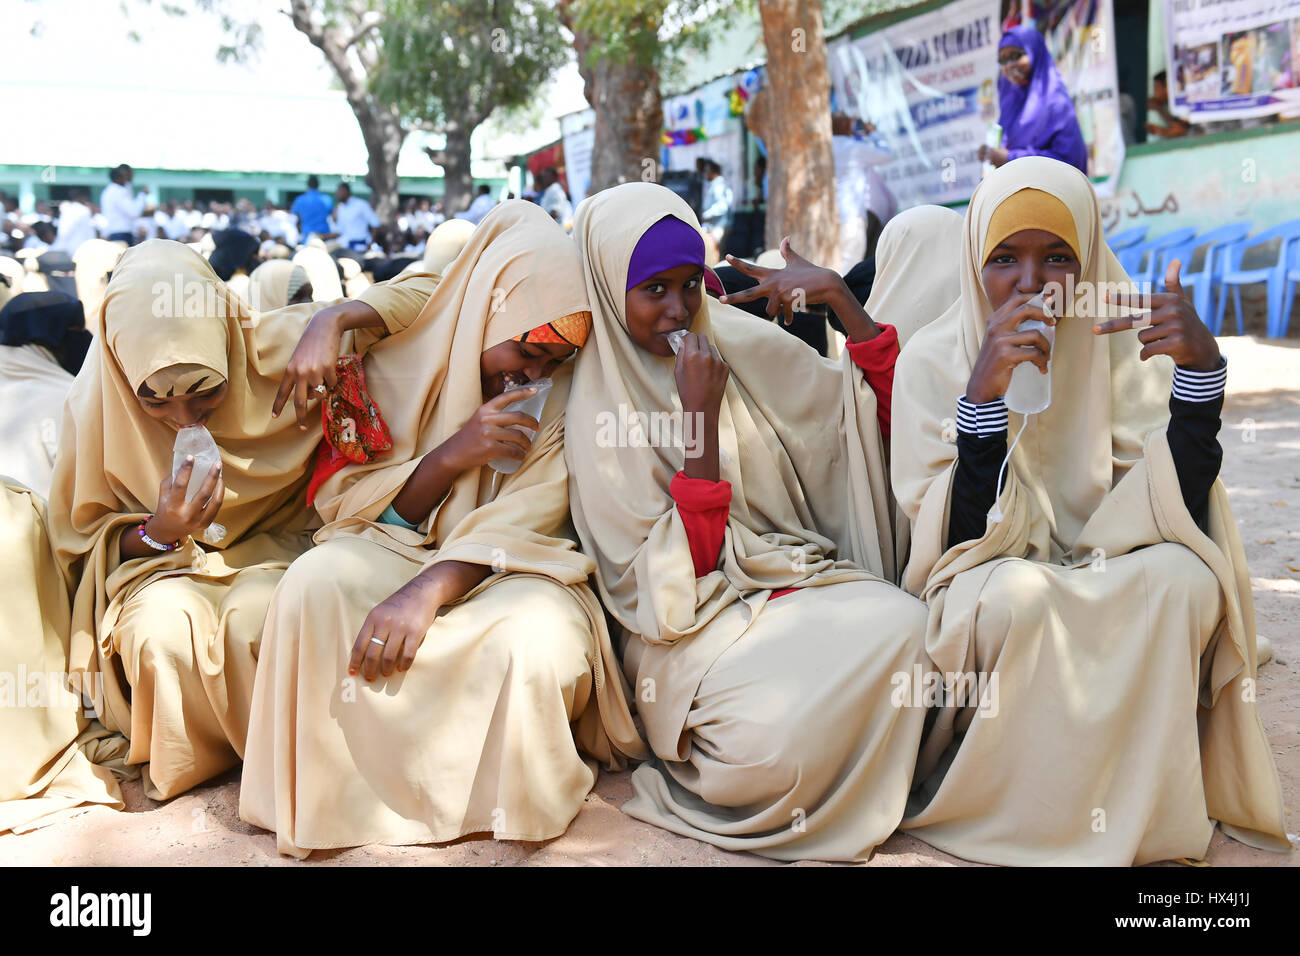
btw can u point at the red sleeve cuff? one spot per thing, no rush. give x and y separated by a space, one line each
878 354
877 357
703 507
699 494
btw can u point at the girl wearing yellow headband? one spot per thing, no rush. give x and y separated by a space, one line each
1099 596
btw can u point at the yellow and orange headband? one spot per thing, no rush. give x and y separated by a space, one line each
571 329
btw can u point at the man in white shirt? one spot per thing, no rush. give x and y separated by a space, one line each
121 205
718 199
193 218
352 219
480 207
424 217
75 223
177 222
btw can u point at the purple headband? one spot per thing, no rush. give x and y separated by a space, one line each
667 244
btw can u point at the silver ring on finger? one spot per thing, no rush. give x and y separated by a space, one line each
320 389
375 640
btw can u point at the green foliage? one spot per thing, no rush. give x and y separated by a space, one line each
458 60
649 32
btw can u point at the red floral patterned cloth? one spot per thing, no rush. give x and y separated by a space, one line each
354 429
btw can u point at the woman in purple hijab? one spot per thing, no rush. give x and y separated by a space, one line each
1037 112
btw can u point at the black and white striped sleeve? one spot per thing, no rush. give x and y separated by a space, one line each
1194 386
1195 407
981 446
982 420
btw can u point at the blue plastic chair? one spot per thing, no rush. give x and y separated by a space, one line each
1129 237
1275 276
1203 283
1288 293
1131 258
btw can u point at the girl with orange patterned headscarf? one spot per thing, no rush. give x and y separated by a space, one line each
438 666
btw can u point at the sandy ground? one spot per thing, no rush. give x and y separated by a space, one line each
1261 441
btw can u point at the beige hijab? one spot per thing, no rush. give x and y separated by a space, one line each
1091 476
326 286
33 387
517 272
918 269
445 243
12 270
95 259
1105 401
168 321
810 500
271 282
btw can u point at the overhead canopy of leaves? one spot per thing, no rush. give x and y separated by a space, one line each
455 61
648 32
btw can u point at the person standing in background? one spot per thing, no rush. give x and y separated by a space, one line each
858 187
353 219
1159 103
553 199
312 209
121 205
718 203
75 224
480 207
1037 112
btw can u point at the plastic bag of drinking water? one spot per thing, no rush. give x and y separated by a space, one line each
198 441
1030 391
675 342
532 405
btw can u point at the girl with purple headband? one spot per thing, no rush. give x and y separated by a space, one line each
735 498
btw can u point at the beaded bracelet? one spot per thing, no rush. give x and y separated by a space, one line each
151 542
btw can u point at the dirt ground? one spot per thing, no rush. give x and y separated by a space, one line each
1261 441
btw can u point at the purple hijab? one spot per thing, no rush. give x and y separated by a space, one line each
665 245
1038 119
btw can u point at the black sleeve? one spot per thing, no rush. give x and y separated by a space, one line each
1194 444
974 484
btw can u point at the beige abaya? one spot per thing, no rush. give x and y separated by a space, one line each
771 720
1116 636
170 640
482 733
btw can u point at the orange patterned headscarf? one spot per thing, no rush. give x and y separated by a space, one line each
571 329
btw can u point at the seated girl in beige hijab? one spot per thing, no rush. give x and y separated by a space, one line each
169 622
52 749
1098 597
734 498
277 283
433 667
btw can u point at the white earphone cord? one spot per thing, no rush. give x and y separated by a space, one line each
995 513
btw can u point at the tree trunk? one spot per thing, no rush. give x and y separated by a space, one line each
629 116
383 138
801 171
457 178
380 128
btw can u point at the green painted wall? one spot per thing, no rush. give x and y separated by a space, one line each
31 183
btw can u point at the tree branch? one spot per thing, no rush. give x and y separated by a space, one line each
369 21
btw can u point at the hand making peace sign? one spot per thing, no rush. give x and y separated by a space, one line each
1171 327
